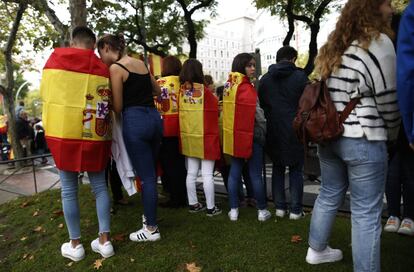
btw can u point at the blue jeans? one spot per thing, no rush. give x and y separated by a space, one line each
142 132
295 187
69 181
361 166
255 164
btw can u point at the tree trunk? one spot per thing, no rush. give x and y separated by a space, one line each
289 34
313 48
77 13
291 22
62 29
192 38
11 117
8 90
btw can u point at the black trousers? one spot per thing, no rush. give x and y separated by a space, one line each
174 171
400 181
111 175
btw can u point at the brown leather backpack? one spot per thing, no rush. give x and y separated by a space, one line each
317 120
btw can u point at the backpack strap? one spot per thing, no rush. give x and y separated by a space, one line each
349 108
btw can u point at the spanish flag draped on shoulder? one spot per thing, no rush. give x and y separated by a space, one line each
198 120
239 108
167 104
76 106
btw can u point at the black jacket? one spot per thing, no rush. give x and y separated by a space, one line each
279 92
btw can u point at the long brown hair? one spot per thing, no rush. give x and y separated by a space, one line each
116 43
360 20
192 72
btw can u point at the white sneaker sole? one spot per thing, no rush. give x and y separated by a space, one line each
405 232
262 219
96 250
132 237
321 261
75 259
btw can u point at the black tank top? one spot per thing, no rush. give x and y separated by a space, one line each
137 90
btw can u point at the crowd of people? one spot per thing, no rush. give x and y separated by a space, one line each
29 132
178 124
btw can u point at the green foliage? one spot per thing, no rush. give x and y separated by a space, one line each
300 7
400 5
32 103
162 23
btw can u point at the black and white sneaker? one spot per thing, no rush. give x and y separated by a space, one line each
144 235
196 208
214 211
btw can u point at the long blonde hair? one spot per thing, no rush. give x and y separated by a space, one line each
360 20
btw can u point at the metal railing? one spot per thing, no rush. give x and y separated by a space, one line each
17 165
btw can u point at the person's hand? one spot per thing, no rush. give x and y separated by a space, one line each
412 146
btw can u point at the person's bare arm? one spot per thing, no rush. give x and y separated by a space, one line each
117 87
156 90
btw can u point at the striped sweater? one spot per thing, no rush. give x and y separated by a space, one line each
371 75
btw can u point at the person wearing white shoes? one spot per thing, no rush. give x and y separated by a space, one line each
244 133
75 82
358 61
279 92
405 90
133 89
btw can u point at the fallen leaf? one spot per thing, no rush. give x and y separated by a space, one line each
25 204
31 257
69 264
192 267
58 213
36 213
23 238
25 256
132 260
97 264
119 237
296 239
60 226
38 229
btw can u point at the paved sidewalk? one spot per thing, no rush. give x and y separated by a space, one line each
22 183
15 183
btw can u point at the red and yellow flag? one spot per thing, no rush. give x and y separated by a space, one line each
167 104
239 108
76 105
198 119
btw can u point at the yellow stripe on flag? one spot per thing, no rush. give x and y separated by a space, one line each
191 114
70 104
229 110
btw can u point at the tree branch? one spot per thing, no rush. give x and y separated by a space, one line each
60 27
202 4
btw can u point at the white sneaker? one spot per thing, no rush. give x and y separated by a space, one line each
144 235
280 213
234 214
392 225
75 254
328 255
407 227
263 215
106 250
295 216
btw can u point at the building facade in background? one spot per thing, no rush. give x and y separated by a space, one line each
247 32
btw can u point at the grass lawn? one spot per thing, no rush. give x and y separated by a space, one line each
32 230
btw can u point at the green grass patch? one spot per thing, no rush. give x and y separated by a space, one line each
214 244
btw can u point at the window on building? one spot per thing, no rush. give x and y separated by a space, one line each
214 42
215 64
221 53
215 53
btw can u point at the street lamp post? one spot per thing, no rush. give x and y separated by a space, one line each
20 88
